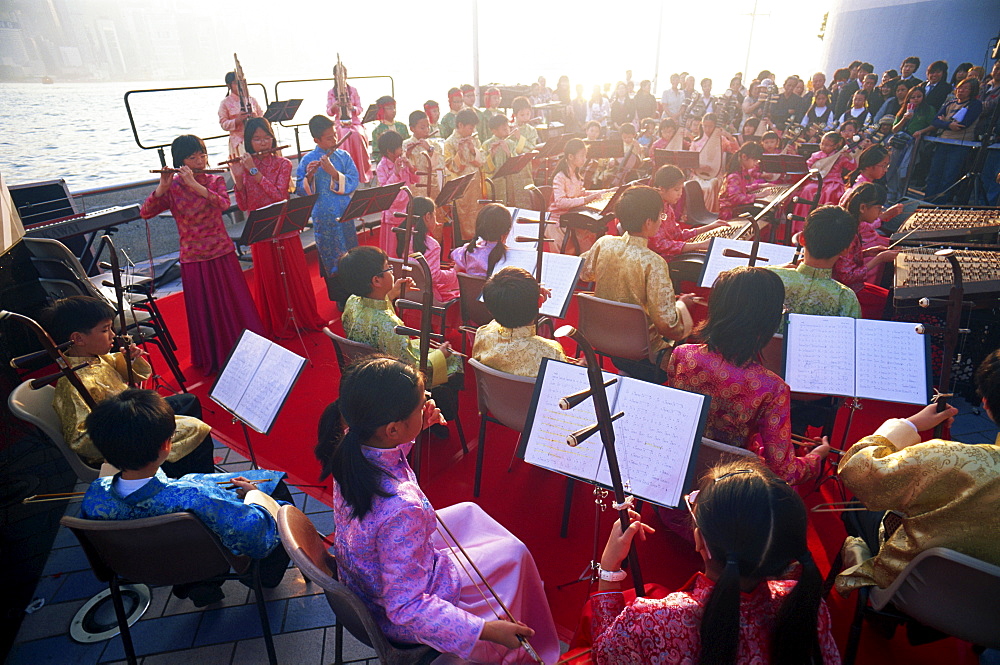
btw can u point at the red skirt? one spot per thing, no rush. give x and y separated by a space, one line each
276 295
219 307
357 147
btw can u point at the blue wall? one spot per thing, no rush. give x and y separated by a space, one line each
883 33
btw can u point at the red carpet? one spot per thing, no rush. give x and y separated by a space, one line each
528 500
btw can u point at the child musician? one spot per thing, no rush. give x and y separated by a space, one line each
216 296
626 270
742 181
387 121
463 155
433 111
389 171
671 239
488 245
491 104
370 318
852 269
423 159
873 164
388 547
425 226
508 343
525 138
281 276
232 116
498 149
329 173
343 103
833 162
456 102
569 191
87 323
750 405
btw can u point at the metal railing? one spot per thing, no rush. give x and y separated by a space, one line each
159 147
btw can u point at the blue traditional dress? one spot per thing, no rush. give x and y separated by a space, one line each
246 529
333 238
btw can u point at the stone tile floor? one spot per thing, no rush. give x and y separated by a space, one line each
174 630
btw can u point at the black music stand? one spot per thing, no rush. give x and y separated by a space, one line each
784 163
272 222
682 159
371 115
554 146
513 166
282 111
370 201
451 192
607 149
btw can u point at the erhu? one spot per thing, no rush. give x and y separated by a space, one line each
605 426
55 352
123 338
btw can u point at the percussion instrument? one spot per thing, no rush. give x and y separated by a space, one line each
932 222
921 274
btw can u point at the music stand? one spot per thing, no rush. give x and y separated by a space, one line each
370 115
270 223
370 201
282 111
512 166
554 146
682 159
784 164
452 191
607 149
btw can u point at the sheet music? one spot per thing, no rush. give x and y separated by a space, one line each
526 225
559 274
819 354
256 380
768 254
891 361
654 439
546 446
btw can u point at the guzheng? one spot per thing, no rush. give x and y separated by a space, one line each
735 231
932 222
921 274
771 192
83 223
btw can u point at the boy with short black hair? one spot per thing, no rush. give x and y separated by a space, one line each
387 122
463 155
498 149
331 174
810 287
87 323
624 269
509 343
133 431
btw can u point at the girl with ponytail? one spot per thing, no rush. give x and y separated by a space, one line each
488 245
853 269
873 164
388 549
750 528
425 225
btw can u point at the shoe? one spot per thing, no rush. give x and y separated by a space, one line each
206 594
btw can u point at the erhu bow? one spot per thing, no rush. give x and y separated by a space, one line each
55 352
598 391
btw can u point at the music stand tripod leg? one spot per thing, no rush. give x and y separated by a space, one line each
246 437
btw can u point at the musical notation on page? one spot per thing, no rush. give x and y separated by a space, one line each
768 255
560 273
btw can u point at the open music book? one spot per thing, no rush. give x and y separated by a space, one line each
560 273
256 379
837 355
656 440
525 224
768 255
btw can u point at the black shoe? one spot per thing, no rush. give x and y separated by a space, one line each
206 594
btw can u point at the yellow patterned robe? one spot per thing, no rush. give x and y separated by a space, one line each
458 155
103 378
514 350
948 493
626 270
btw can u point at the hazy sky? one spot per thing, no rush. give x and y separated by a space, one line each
429 49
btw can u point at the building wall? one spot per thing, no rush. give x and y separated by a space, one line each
883 32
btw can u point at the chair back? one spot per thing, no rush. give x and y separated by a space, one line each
167 549
694 205
35 407
952 592
615 329
474 312
711 453
348 350
506 397
306 548
540 196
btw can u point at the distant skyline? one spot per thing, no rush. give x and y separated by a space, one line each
594 43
